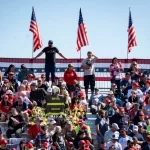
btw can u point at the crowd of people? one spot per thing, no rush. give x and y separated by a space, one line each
53 114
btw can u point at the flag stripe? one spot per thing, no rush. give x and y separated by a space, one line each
82 39
37 43
131 34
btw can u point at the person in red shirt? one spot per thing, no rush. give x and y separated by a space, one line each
3 144
69 76
35 129
147 98
11 96
5 107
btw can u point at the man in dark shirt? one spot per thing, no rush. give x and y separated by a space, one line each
37 95
50 59
121 119
15 125
41 85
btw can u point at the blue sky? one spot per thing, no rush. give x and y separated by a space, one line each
106 22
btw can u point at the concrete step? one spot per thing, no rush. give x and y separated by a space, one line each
90 115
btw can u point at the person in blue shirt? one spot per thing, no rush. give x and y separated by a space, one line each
126 83
96 96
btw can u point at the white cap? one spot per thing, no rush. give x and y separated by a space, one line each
114 125
135 128
9 92
49 89
115 136
128 105
53 122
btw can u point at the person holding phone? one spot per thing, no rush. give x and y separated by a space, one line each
116 70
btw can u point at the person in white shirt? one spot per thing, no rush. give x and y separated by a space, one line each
114 143
83 101
124 138
108 134
89 77
135 88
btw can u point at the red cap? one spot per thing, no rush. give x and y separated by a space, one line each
29 145
6 81
121 109
30 75
82 142
81 121
45 144
81 94
42 75
108 101
141 113
115 107
135 84
5 96
3 141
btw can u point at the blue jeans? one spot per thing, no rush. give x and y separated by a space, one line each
99 140
50 68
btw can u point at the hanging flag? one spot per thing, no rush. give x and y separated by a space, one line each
131 34
82 39
37 43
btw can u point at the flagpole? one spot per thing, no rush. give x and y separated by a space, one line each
128 39
32 48
80 53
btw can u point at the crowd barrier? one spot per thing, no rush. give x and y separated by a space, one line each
102 73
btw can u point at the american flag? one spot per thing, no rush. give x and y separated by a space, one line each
37 43
82 39
131 34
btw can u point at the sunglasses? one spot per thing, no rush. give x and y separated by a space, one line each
39 81
134 64
42 77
